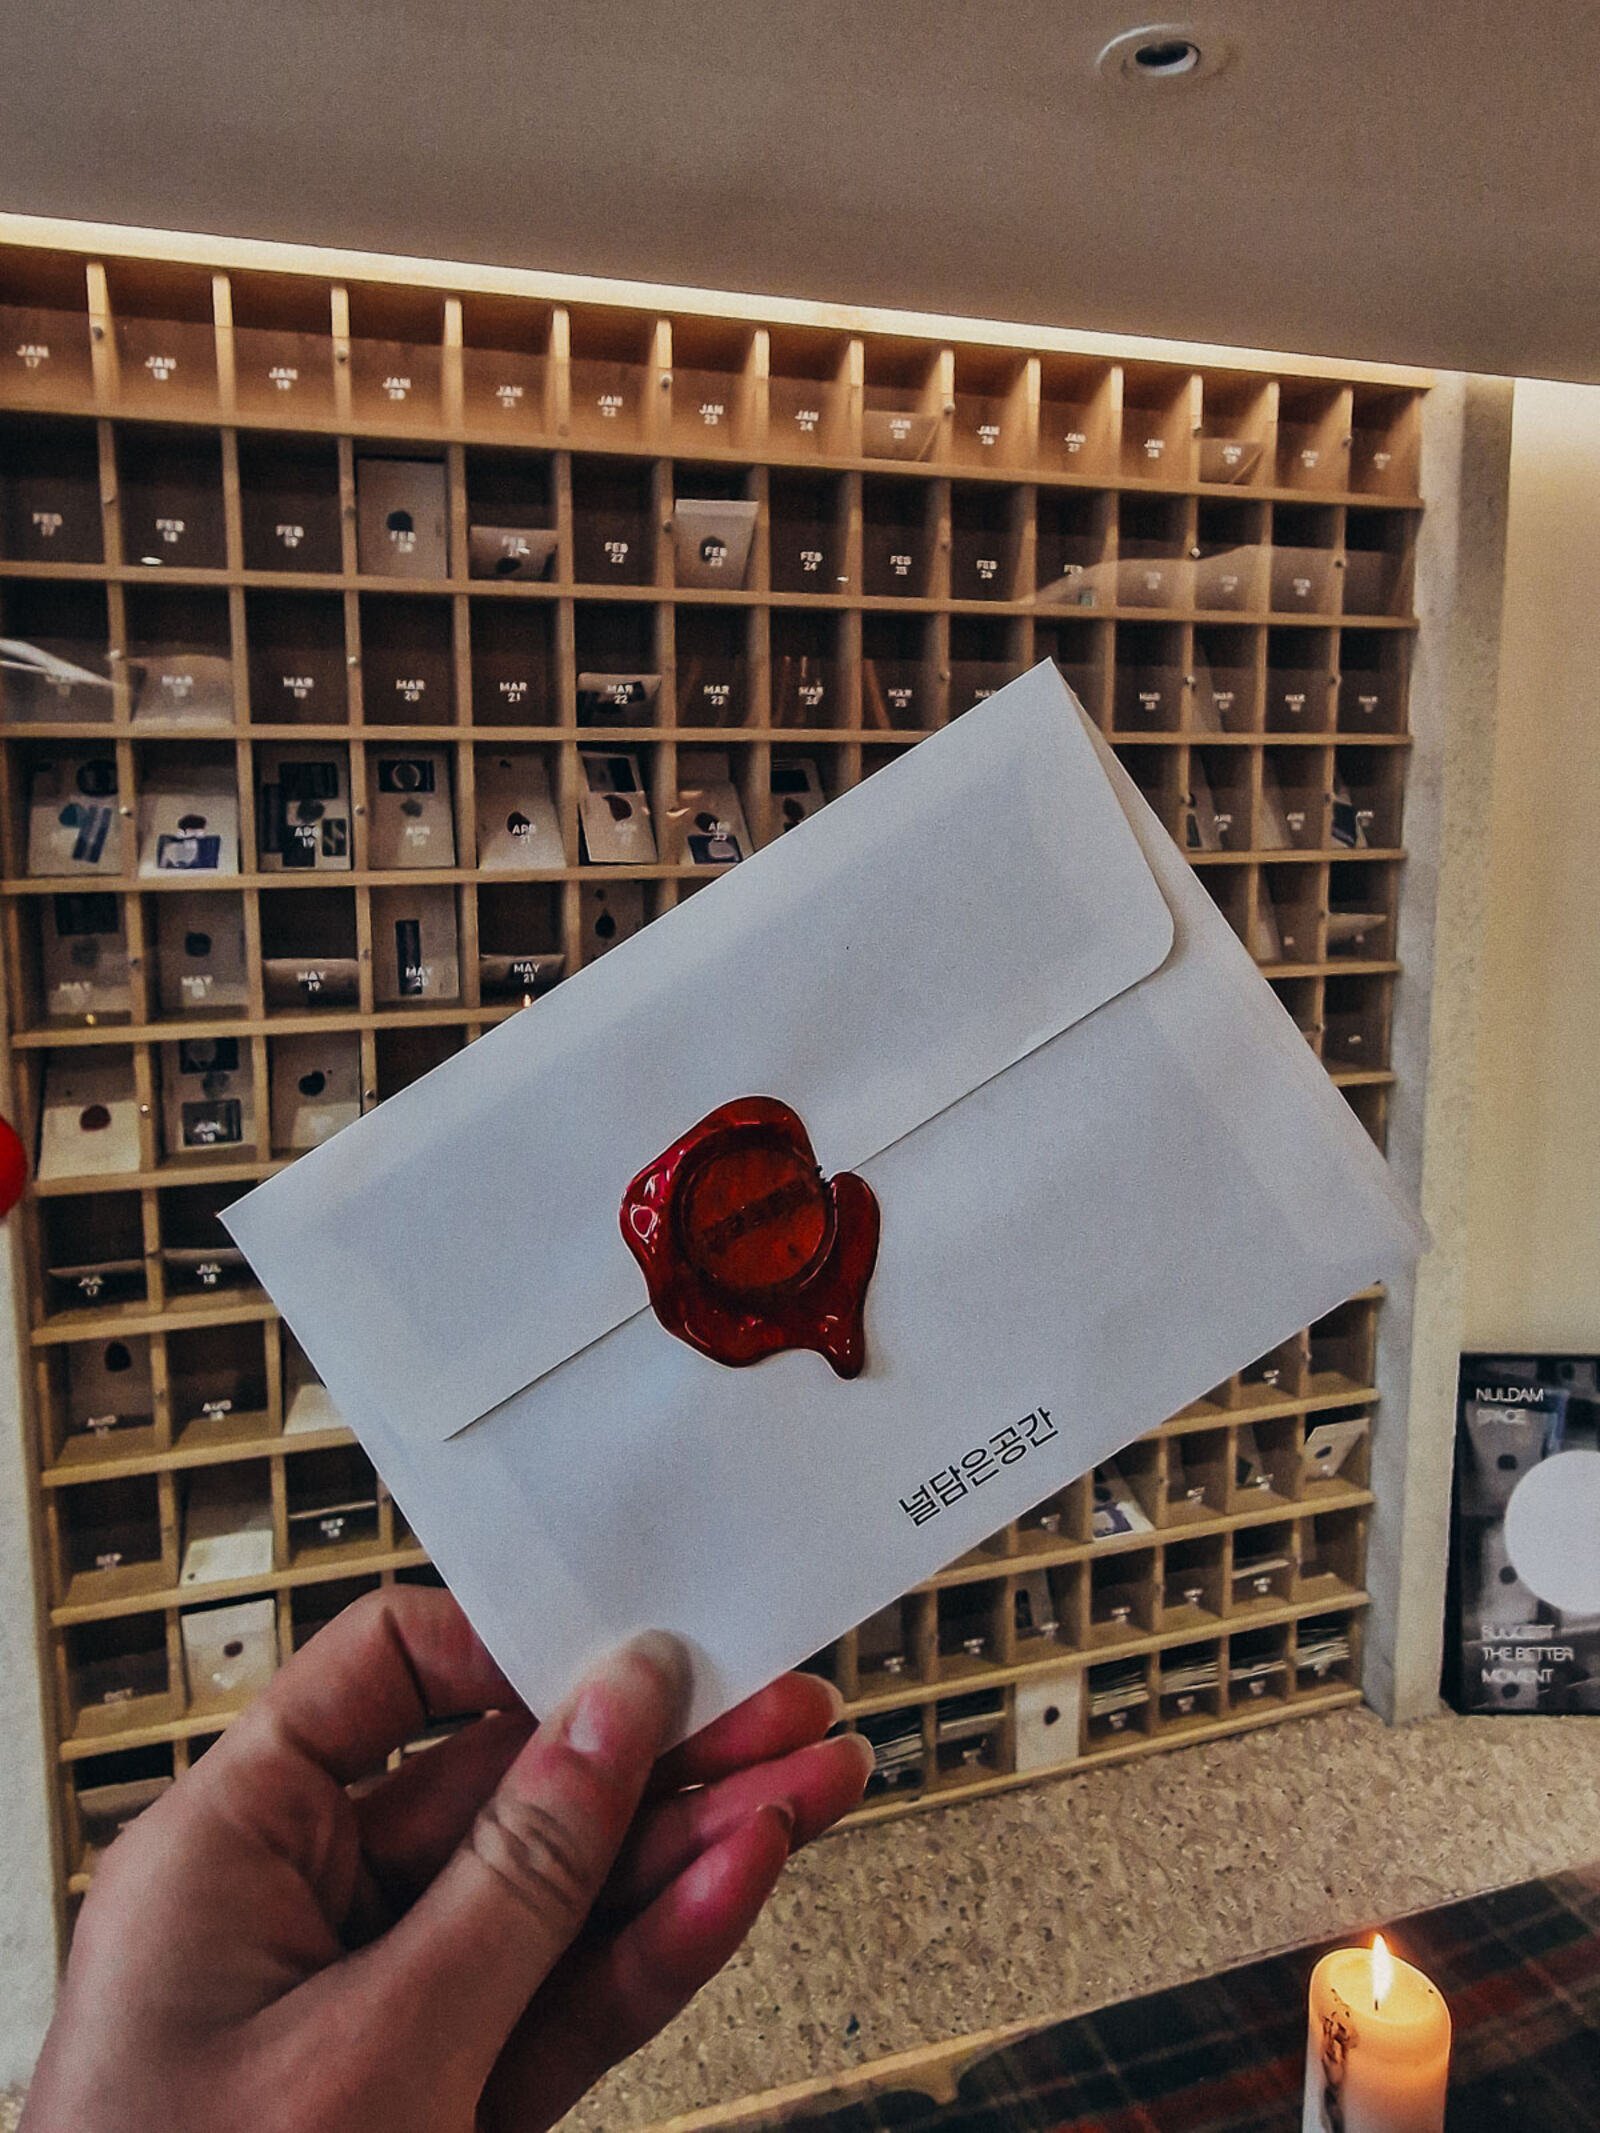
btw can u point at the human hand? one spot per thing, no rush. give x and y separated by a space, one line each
291 1941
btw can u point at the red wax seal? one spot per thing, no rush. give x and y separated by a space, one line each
746 1248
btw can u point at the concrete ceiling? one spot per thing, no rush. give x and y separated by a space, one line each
1409 183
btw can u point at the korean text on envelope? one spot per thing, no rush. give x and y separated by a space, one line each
1109 1171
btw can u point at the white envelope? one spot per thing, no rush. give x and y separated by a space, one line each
1109 1169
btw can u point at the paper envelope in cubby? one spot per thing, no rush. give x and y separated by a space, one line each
412 823
73 823
200 954
517 821
90 1126
711 540
207 1095
189 820
414 955
181 686
316 1086
84 954
1108 1169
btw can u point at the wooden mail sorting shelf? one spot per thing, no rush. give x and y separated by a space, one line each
374 654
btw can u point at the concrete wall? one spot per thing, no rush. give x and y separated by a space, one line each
1533 1256
1466 450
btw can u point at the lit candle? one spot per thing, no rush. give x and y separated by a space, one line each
1378 2046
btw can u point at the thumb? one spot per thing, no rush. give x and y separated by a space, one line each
462 1965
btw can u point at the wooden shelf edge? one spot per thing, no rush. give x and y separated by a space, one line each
1061 1658
1282 1510
173 1458
179 1598
454 877
1308 1706
653 593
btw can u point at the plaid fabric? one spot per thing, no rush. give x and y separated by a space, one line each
1520 1969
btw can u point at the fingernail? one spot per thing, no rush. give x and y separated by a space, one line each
669 1656
863 1748
707 1878
632 1699
780 1812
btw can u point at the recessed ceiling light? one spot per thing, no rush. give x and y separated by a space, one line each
1163 55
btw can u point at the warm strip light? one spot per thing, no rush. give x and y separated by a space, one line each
1382 1971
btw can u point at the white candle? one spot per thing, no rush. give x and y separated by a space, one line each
1377 2048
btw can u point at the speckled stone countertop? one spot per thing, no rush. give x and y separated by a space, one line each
1032 1904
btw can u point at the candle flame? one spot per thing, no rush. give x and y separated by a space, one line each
1382 1970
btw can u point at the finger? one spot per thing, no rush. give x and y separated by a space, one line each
373 1679
790 1712
477 1944
273 1787
411 1821
613 1995
816 1784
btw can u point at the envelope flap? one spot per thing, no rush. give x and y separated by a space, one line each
872 967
